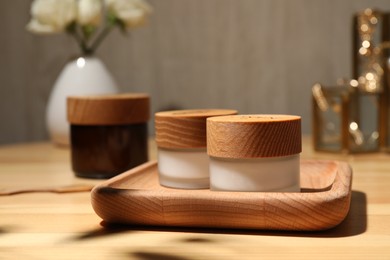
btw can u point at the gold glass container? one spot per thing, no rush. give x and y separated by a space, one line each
345 118
371 37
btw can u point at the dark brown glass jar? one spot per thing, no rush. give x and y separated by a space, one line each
108 133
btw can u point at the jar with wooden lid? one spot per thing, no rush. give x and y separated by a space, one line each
254 153
108 133
181 140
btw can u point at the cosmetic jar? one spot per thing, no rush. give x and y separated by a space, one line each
108 133
181 141
254 153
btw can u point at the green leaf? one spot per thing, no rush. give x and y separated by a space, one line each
111 19
88 31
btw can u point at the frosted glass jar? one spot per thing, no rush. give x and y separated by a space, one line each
254 153
181 140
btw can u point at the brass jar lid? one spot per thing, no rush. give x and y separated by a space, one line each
128 108
185 129
253 136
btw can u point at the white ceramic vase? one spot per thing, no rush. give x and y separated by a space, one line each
80 77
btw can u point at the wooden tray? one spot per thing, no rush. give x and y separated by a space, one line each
136 197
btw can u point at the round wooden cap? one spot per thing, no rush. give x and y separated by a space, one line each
129 108
183 129
253 136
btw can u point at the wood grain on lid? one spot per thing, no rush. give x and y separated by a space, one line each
181 129
130 108
253 136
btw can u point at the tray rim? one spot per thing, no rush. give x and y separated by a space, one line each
343 178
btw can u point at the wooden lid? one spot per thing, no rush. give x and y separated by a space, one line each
253 136
129 108
184 128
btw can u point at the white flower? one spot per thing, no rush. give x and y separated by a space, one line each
131 12
87 21
50 16
89 12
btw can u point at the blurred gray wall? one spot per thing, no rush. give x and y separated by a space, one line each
257 56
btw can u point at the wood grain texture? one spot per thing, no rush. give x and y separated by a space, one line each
183 129
254 136
135 197
109 109
48 225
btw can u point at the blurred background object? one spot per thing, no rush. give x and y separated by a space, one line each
345 118
256 56
353 116
370 36
330 107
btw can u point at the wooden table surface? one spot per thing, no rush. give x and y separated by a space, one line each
64 226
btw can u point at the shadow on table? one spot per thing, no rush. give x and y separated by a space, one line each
354 224
6 229
148 256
